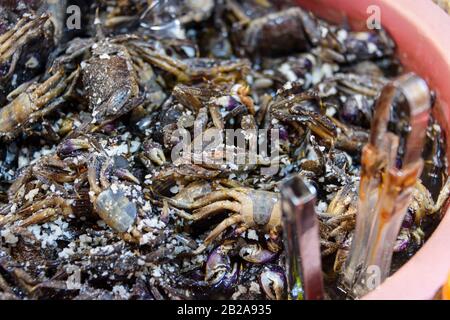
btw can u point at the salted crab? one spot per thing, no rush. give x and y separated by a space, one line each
114 191
108 76
339 219
192 69
77 162
251 209
296 109
192 107
233 98
223 269
28 202
268 33
24 50
111 82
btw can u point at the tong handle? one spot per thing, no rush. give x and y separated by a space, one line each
385 225
417 95
385 189
374 161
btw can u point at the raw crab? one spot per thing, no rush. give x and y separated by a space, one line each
111 81
36 101
24 50
111 187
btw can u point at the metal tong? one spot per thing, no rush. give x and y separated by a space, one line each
301 228
386 185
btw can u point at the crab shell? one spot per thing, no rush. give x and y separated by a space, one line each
262 210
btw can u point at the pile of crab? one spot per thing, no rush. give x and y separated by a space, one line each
93 204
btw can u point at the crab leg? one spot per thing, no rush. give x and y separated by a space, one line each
331 247
43 96
14 34
27 107
216 116
210 198
166 63
341 218
18 36
228 222
10 32
39 217
40 207
234 219
10 52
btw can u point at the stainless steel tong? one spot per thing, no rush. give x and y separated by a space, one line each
302 241
386 185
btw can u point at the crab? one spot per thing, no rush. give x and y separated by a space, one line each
112 187
24 49
77 161
192 69
111 82
250 209
339 219
421 206
272 34
109 197
423 203
295 110
220 272
108 76
35 102
223 269
233 99
30 205
268 33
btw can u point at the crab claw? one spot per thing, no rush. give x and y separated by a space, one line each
125 174
121 169
255 253
220 273
273 282
157 156
72 147
152 151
